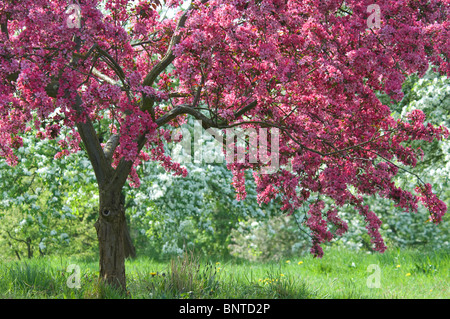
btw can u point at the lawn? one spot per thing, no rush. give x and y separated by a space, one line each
340 273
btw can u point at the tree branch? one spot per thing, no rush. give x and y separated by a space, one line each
14 238
111 146
184 109
245 109
102 167
147 102
4 26
402 168
104 77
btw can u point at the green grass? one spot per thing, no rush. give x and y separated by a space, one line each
339 274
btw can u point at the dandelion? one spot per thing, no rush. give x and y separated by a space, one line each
288 261
281 275
398 266
217 263
300 262
408 274
153 274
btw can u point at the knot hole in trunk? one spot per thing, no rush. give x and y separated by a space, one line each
106 212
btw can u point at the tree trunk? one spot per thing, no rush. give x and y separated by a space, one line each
113 237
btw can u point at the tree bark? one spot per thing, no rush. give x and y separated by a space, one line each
113 237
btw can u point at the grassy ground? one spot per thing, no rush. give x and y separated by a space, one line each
339 274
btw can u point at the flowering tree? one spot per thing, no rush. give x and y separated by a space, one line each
309 68
46 205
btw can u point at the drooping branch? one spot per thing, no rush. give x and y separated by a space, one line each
400 167
108 59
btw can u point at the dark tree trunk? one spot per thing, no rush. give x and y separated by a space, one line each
113 237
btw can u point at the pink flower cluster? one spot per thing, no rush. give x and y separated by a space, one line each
318 227
373 224
238 179
436 207
158 154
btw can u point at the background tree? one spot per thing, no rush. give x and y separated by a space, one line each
47 206
195 212
307 68
172 214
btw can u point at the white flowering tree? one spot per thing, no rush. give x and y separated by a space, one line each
38 212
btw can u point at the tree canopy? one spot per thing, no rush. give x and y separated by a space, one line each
309 68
